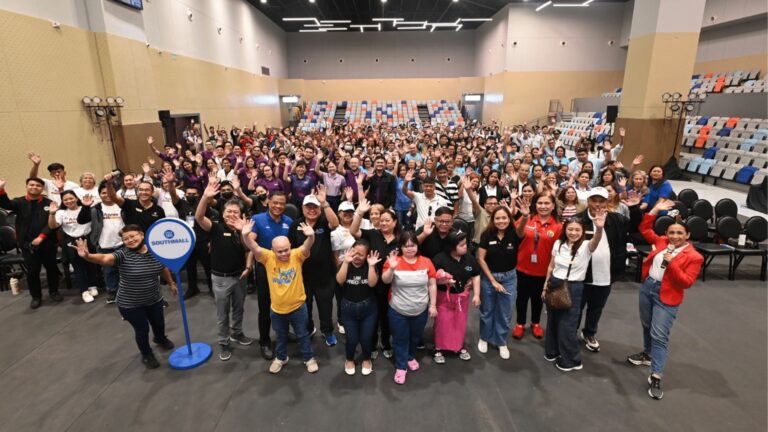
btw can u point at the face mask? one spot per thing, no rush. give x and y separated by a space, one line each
262 196
192 200
227 195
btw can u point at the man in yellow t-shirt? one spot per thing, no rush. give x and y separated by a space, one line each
286 289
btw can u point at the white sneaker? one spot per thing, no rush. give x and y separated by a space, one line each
482 346
504 352
341 329
93 290
87 297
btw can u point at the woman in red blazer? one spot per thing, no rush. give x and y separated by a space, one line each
670 269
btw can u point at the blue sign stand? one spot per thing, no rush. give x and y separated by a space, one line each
171 241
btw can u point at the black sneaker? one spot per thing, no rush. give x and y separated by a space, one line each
164 343
55 296
165 303
111 298
591 343
241 339
639 359
35 303
550 358
225 352
267 353
654 388
568 369
150 362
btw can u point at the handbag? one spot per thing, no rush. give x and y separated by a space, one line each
558 297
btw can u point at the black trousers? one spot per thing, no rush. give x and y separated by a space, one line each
141 318
382 302
34 261
323 294
264 302
594 299
529 288
203 256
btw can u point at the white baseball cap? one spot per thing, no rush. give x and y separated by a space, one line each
346 206
311 199
596 192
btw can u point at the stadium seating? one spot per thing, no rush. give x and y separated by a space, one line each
322 114
592 123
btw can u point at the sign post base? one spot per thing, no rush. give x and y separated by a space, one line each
181 359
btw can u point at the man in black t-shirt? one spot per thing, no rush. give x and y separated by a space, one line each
143 211
319 268
433 235
231 264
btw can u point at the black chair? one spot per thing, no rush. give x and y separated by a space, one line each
660 226
292 211
4 218
703 209
756 229
10 257
682 209
726 207
698 229
688 196
727 227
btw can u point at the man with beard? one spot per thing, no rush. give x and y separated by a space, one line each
138 298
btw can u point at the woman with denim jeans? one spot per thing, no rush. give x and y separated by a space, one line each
357 279
414 289
570 260
497 257
670 269
66 218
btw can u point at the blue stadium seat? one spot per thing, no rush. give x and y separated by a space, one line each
703 121
744 175
693 166
710 153
706 166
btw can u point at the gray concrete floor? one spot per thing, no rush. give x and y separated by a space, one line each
75 367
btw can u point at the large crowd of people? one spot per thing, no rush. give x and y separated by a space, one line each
396 225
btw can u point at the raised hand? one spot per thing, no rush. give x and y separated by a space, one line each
150 140
663 205
633 199
622 132
466 182
373 258
429 226
349 193
622 182
53 207
151 160
247 227
349 255
82 247
321 193
638 159
168 176
87 200
34 157
409 176
238 223
364 205
145 168
393 260
307 230
235 182
523 206
600 216
59 181
2 184
213 187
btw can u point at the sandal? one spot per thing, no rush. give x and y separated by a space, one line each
439 358
464 354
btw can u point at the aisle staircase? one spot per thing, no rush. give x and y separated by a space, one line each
424 115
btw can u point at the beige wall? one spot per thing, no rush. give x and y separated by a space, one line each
526 95
369 89
745 63
45 72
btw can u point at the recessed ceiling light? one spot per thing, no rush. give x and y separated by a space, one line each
263 1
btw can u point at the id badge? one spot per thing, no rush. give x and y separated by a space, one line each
534 258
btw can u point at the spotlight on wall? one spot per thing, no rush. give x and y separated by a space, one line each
676 96
675 107
666 97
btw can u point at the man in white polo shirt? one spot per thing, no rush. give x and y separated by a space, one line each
426 202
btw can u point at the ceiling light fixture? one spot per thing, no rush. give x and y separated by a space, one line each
335 21
312 30
586 3
570 5
475 19
459 27
318 25
394 20
336 29
263 1
311 1
543 6
411 28
362 27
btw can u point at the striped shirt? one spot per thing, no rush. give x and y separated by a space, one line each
139 283
449 192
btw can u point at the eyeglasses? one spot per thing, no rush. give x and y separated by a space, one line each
443 222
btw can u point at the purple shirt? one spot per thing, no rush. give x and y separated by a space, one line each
302 187
270 185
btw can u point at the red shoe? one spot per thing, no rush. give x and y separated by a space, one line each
517 333
537 331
